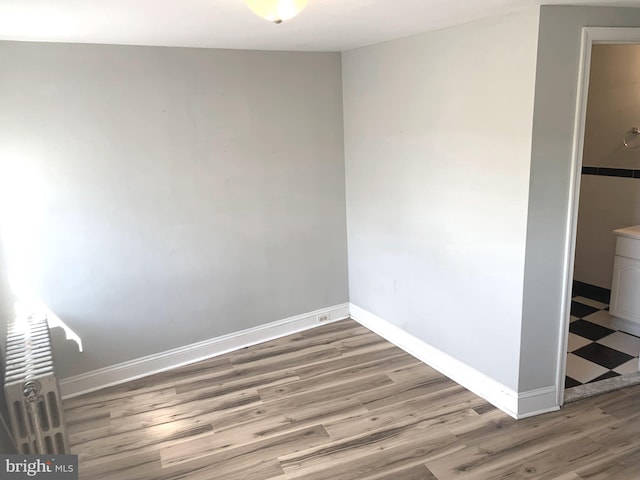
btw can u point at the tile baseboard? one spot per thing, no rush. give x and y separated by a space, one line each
583 289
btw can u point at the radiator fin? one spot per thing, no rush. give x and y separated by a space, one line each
30 362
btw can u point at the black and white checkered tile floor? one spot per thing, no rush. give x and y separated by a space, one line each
597 351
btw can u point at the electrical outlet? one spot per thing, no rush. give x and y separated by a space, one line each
322 318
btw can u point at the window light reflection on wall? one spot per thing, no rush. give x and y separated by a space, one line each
21 234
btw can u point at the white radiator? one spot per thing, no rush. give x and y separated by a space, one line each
32 391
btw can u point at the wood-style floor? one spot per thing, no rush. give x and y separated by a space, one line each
339 403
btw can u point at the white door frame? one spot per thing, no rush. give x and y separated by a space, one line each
590 35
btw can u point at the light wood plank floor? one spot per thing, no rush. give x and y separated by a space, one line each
339 403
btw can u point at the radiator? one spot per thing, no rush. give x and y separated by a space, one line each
32 391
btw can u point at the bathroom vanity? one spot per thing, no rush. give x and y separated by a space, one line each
625 289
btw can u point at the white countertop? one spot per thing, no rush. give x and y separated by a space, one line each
629 232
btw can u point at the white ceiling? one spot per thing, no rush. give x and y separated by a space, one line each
325 25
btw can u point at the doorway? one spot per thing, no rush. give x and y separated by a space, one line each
599 354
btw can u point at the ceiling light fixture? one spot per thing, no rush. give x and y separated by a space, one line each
276 11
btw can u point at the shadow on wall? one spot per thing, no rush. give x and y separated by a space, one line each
6 314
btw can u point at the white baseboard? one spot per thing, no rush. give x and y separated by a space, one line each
160 362
535 402
517 405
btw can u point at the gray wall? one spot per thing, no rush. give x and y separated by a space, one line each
6 445
6 315
6 298
607 203
437 148
549 202
613 106
185 193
